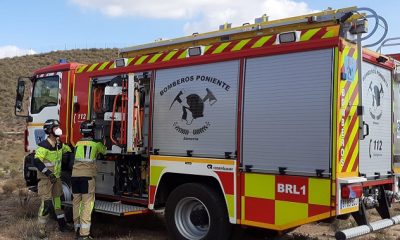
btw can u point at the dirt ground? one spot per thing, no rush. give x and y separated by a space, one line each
19 211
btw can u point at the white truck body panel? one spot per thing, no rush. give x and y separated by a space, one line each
375 149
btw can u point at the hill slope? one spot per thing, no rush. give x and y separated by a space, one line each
12 68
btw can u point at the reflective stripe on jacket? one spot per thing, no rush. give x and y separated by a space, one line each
86 152
51 156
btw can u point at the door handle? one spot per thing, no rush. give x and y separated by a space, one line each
367 130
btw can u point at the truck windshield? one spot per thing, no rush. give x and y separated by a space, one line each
45 93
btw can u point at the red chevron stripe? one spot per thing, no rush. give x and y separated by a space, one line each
97 67
161 57
319 34
230 46
212 48
86 68
356 161
346 88
133 61
270 41
251 42
350 128
353 96
353 120
350 154
351 52
177 54
109 65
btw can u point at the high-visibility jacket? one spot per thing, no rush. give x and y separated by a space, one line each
51 157
86 152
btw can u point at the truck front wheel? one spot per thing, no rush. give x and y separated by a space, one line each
195 211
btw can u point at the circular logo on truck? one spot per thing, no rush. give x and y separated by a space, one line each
190 103
377 88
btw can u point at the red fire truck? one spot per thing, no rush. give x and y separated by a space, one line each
274 125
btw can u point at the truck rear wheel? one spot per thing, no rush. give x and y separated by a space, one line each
195 211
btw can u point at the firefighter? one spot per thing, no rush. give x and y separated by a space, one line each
47 160
83 179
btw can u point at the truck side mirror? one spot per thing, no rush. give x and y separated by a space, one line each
20 101
20 96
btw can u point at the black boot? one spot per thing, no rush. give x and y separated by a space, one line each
88 237
77 233
63 226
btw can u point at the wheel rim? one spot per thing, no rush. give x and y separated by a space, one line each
67 193
192 218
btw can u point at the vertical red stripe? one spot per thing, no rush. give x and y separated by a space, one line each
150 134
240 176
152 194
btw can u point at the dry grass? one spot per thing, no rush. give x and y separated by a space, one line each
9 186
22 228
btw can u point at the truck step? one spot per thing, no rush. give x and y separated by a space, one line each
114 208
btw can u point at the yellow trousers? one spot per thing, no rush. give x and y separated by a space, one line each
83 204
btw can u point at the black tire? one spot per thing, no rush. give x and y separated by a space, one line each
66 179
208 218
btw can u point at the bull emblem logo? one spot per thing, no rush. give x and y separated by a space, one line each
193 107
377 94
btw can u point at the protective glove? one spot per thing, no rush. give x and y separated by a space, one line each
53 178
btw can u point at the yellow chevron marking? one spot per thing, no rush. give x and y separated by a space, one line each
112 65
353 159
141 60
80 69
240 45
155 57
183 54
206 48
352 138
355 55
221 47
102 66
92 67
309 34
353 131
344 55
169 55
331 32
129 61
261 42
353 86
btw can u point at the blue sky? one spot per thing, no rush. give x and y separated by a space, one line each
44 25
